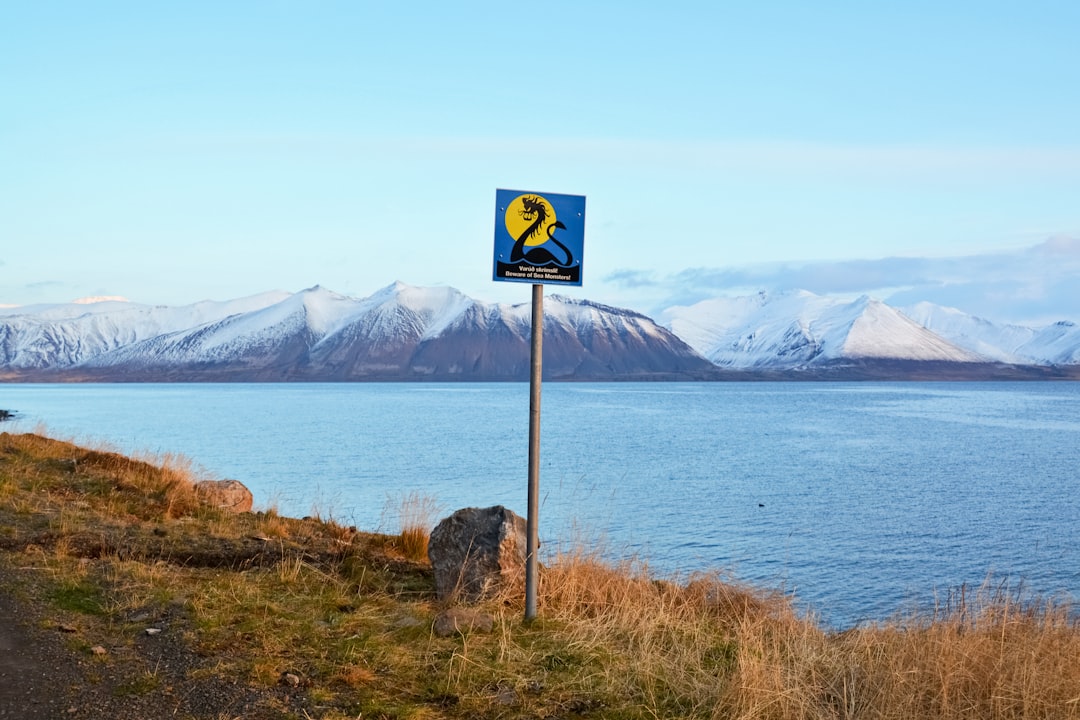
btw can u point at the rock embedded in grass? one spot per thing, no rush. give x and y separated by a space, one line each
231 495
477 553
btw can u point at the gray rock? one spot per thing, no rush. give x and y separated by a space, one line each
476 553
229 495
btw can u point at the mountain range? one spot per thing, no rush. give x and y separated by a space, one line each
399 333
800 332
409 333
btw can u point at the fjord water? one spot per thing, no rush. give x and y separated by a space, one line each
860 499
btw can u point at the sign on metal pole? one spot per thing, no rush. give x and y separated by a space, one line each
539 239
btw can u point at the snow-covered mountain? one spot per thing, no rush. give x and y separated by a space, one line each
403 332
400 332
1057 344
65 335
798 330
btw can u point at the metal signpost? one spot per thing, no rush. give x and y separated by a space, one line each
539 239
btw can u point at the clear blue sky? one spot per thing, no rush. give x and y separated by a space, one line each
174 152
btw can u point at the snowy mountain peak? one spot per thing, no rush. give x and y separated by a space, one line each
599 307
799 329
879 331
1054 345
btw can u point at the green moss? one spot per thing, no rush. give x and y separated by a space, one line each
141 685
79 597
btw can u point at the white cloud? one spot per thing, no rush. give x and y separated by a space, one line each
1034 285
90 300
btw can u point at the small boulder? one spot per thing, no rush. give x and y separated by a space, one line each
476 553
229 495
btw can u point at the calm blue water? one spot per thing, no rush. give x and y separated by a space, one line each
861 499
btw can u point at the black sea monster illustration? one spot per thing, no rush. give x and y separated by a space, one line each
534 209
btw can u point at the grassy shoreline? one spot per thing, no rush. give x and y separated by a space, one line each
290 618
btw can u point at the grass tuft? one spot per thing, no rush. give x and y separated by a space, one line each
416 515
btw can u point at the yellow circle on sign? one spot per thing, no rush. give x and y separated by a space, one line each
531 215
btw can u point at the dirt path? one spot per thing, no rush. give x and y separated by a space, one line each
36 671
49 672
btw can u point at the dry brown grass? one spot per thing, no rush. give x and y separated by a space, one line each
416 515
154 487
711 648
668 647
986 654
